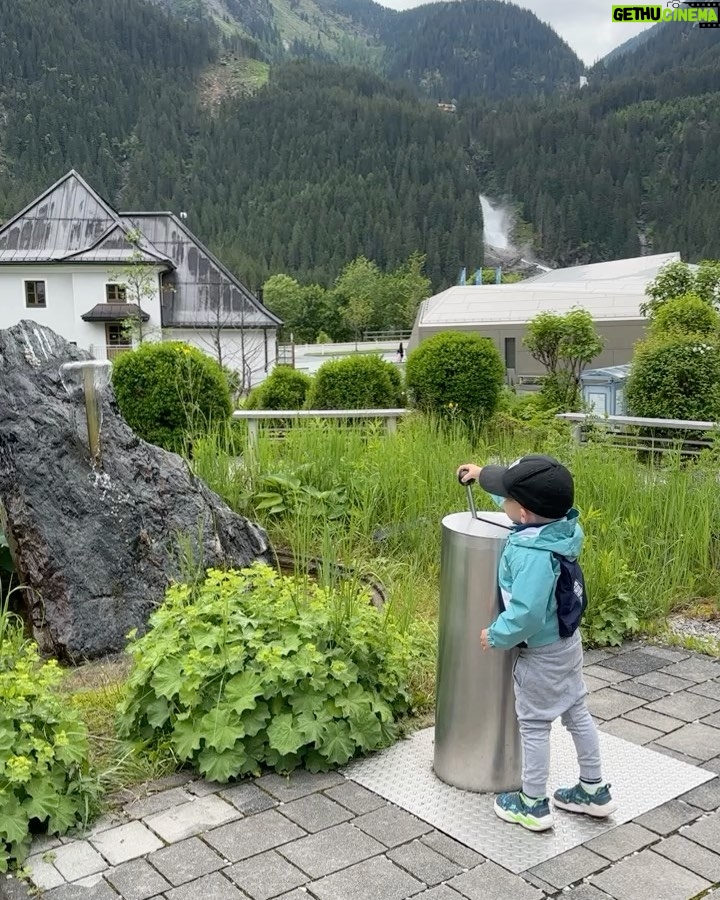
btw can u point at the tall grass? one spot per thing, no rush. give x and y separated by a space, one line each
650 536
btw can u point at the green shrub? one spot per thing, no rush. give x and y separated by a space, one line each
455 374
255 669
45 778
685 315
165 389
284 388
356 382
323 338
676 377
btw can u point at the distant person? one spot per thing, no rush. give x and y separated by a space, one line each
401 352
542 592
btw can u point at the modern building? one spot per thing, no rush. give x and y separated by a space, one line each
612 292
71 262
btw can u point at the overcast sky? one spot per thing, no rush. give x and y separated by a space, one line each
585 24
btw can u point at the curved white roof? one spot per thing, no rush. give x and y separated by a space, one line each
610 291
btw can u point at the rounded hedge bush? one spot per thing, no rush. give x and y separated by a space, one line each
455 374
165 389
676 377
252 669
685 315
284 388
356 382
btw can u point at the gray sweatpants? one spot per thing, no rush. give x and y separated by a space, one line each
549 683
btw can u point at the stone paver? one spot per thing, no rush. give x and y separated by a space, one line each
186 861
266 875
355 797
608 703
253 835
126 842
668 817
453 850
631 731
43 872
636 663
392 826
666 653
424 863
692 856
77 859
210 887
705 796
605 674
569 867
705 832
315 812
621 841
328 851
694 669
638 689
101 891
684 705
649 875
375 879
697 740
707 689
665 682
156 803
490 882
656 720
192 818
585 892
248 798
137 880
442 892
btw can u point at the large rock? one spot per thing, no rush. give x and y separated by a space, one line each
96 549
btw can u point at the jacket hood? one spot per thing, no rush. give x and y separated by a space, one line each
564 537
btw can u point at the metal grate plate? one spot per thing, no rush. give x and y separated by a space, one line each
641 780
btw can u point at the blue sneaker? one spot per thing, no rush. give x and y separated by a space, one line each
576 799
515 808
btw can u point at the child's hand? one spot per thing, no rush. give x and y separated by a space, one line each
468 472
484 641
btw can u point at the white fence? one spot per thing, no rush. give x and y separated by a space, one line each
254 416
636 433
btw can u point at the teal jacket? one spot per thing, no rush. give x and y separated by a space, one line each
527 576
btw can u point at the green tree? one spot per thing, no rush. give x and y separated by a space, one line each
140 282
358 292
685 315
563 344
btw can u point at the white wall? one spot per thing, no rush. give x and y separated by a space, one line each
253 346
70 291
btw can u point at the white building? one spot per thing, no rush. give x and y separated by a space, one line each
612 292
66 261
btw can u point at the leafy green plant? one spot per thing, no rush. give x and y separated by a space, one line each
356 382
45 776
688 314
6 563
455 374
256 669
166 389
286 494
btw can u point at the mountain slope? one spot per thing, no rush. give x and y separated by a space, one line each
627 166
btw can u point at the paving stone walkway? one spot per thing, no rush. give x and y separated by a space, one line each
322 837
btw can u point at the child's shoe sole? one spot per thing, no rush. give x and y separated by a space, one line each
596 810
529 822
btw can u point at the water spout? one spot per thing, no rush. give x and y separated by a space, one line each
88 378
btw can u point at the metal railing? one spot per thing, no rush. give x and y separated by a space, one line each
254 416
630 432
397 335
108 351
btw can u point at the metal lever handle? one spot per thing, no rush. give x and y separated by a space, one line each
471 499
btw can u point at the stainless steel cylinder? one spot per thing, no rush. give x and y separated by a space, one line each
477 741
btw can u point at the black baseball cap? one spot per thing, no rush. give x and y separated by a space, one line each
539 483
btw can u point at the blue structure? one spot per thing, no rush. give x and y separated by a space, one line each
604 390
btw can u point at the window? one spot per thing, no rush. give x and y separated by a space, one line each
115 293
35 294
509 353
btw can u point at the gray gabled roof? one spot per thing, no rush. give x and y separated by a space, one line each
121 247
201 292
70 218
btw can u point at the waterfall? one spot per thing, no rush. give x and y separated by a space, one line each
496 225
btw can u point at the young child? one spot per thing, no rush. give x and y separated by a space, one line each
537 494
